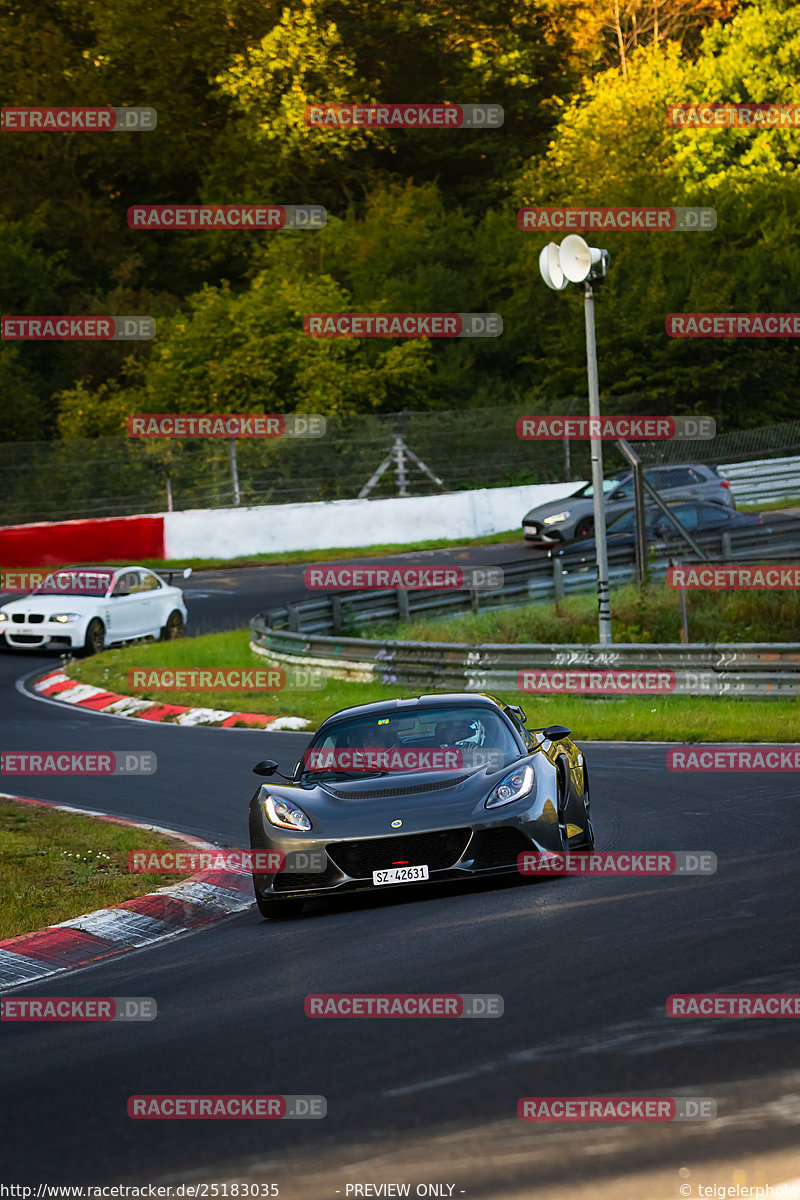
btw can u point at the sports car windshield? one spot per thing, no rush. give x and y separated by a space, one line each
75 583
427 739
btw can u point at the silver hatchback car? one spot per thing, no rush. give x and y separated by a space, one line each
573 516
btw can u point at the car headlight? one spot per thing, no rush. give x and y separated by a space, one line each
3 616
62 618
519 783
285 814
557 517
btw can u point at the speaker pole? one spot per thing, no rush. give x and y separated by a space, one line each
603 602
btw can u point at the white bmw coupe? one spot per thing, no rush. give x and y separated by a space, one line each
88 608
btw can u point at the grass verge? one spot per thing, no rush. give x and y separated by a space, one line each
57 865
637 615
667 718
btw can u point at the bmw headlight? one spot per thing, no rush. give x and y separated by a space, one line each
3 616
519 783
63 618
285 814
557 517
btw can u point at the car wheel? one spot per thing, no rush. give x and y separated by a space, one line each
588 843
279 908
95 640
584 527
561 797
174 627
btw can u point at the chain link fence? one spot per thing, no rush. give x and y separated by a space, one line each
473 448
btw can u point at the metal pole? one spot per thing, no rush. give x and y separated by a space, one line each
169 494
603 603
237 499
400 465
684 621
567 463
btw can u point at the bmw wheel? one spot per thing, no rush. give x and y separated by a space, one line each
174 627
95 637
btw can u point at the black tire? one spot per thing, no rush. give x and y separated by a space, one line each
279 908
584 527
174 627
95 641
588 843
561 796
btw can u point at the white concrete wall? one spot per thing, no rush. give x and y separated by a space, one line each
230 532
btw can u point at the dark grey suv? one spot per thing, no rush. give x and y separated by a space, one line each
573 517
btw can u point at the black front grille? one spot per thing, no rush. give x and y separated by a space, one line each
499 847
19 618
437 850
35 618
419 789
25 638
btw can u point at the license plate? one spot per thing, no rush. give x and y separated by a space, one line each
399 875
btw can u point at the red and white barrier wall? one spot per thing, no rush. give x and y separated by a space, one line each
106 539
233 532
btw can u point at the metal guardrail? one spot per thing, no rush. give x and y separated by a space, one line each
763 481
315 633
525 581
767 670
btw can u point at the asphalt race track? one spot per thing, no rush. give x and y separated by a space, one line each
584 966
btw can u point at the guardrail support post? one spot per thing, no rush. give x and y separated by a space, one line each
558 581
402 606
727 548
294 618
336 614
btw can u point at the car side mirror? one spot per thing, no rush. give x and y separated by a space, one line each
265 767
555 732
